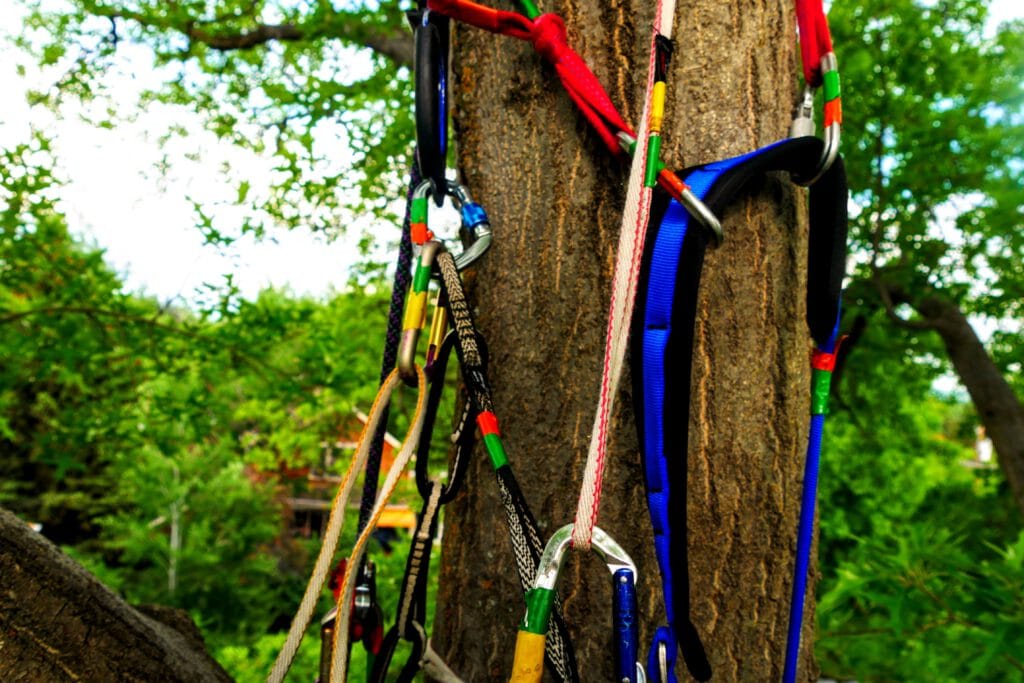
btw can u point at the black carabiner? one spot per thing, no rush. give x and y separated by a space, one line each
430 65
463 436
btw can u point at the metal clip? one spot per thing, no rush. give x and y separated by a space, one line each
475 230
681 192
430 67
416 310
528 662
803 117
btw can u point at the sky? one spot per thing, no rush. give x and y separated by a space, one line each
116 200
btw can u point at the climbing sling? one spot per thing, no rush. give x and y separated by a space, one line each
663 344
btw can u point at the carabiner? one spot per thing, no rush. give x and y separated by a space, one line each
680 191
475 231
528 661
416 310
431 32
803 118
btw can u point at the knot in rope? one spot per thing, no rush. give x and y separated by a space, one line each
549 37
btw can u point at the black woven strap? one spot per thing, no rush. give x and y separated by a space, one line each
523 530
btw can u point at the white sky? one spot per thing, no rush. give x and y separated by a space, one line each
115 199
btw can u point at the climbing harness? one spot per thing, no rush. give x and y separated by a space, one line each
547 33
663 344
527 664
334 526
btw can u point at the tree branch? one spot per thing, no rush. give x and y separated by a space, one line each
395 45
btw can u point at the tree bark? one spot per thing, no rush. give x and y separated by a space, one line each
59 623
555 199
998 407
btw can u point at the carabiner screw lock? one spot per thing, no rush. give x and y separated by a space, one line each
803 117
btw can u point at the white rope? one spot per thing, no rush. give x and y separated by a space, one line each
339 649
336 519
624 285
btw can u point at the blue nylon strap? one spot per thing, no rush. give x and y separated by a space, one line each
657 328
805 533
655 333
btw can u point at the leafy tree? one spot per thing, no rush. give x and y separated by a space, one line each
934 139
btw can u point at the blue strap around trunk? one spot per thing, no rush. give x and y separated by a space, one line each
663 344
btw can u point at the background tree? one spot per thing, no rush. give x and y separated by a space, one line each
935 168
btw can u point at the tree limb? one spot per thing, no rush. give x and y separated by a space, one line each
59 623
395 45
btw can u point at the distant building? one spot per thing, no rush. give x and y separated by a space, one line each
306 492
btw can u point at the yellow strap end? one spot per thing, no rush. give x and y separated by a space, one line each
528 663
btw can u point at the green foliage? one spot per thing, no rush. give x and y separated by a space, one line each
290 80
122 418
920 554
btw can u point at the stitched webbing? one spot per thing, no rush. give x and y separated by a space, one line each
624 283
663 349
523 529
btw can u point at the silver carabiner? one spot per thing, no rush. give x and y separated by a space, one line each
528 661
803 117
475 230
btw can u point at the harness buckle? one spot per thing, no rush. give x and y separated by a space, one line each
528 662
803 117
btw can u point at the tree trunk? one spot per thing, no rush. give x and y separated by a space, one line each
555 199
59 623
998 407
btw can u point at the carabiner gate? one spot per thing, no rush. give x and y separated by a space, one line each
528 662
416 310
803 118
475 231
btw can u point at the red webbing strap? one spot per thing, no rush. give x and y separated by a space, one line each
548 36
815 39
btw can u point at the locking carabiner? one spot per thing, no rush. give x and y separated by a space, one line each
416 311
528 661
475 231
803 117
679 191
430 65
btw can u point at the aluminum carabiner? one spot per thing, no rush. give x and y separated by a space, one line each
415 316
803 117
475 231
430 66
528 661
681 192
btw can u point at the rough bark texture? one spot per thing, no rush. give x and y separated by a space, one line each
998 407
59 623
555 199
